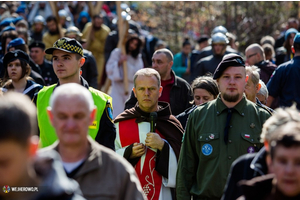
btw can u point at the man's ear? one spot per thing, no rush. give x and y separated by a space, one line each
171 64
34 145
50 114
134 92
93 115
247 77
82 61
258 87
160 91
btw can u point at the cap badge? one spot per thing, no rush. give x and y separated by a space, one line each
60 42
16 54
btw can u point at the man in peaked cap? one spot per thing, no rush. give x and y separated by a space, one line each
67 58
217 133
89 69
37 53
283 81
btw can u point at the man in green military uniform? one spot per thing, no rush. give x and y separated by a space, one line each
217 133
67 58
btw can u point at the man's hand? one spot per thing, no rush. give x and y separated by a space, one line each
154 141
122 59
138 150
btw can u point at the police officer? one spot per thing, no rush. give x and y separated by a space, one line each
89 68
207 51
38 28
217 133
209 64
67 57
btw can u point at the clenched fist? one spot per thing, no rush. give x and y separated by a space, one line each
154 141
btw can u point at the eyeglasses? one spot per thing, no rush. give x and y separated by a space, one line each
251 55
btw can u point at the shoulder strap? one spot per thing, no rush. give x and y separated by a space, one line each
30 88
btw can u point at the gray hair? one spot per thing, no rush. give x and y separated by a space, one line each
147 72
165 51
73 90
253 73
263 89
280 117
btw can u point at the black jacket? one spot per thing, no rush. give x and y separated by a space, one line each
180 96
183 117
48 73
245 167
206 65
89 69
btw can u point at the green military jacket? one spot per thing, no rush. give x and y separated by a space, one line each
205 159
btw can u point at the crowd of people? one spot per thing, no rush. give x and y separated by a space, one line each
208 122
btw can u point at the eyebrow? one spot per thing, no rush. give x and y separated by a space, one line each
64 55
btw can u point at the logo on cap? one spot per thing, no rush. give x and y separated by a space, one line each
60 42
16 55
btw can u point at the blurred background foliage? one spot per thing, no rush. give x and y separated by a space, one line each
172 21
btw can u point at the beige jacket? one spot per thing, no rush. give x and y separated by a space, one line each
106 175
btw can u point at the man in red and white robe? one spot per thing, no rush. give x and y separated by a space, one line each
153 154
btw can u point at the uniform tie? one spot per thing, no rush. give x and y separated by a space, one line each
227 125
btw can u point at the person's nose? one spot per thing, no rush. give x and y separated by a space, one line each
70 123
147 92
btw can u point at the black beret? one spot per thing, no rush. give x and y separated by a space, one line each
67 45
39 44
229 60
13 55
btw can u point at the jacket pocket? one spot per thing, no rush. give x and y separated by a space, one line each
250 143
209 145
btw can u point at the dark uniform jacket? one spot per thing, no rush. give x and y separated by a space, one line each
89 69
206 65
48 73
180 96
283 83
207 51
